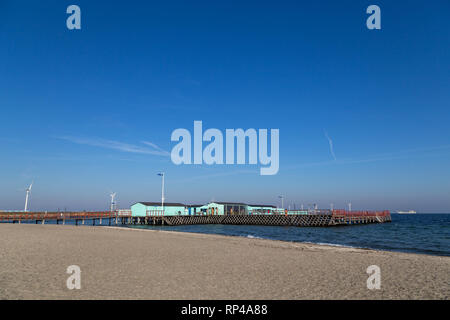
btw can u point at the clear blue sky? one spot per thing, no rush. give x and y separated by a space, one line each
77 106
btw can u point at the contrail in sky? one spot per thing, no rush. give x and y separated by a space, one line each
116 145
402 154
331 145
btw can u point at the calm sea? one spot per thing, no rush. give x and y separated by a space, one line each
418 233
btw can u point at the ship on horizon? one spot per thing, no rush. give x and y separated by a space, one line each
406 212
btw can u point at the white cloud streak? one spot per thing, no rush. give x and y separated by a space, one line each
120 146
399 155
154 146
330 142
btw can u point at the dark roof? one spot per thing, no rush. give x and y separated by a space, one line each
233 203
166 204
194 205
262 205
244 204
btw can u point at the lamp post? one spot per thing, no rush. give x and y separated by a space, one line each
282 202
162 190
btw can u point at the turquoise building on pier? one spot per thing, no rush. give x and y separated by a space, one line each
142 209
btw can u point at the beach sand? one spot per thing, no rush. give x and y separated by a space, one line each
121 263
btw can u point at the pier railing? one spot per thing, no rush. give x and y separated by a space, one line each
273 217
345 213
291 212
23 216
154 213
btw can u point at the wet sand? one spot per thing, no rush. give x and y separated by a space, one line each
119 263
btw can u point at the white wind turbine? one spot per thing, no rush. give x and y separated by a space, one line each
113 202
27 196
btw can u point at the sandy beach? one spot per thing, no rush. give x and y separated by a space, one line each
120 263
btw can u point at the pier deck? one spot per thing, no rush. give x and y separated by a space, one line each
124 217
102 218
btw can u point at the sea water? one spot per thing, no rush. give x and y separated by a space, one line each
417 233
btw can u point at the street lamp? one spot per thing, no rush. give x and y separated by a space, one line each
282 201
162 190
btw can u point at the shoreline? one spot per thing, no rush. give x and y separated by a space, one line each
337 246
161 264
287 241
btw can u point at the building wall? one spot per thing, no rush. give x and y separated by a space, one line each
140 210
232 208
298 212
215 209
259 210
203 209
192 211
168 211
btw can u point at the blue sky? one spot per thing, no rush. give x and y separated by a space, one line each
82 110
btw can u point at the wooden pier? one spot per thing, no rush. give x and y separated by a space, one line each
333 218
78 218
321 218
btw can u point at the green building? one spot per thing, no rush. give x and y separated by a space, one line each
142 209
261 209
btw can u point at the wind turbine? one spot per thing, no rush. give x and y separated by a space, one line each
27 196
113 202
